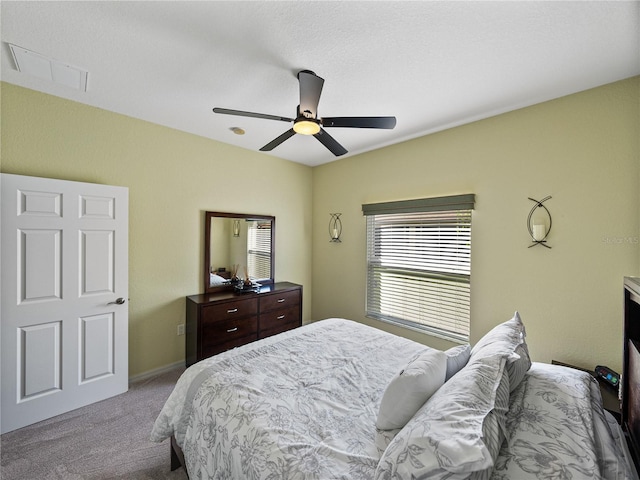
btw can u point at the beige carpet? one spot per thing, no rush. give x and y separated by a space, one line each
106 440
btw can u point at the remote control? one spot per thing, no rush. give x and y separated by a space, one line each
608 375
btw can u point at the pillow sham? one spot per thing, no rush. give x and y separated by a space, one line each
458 431
215 280
410 388
494 428
507 339
457 357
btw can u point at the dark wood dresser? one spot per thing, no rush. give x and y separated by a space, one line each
220 321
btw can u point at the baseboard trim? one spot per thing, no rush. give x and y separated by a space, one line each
156 371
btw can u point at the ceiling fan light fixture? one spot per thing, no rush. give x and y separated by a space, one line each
306 127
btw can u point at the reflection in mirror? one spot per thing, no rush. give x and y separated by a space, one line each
238 245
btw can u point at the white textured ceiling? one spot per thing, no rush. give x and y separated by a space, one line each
433 65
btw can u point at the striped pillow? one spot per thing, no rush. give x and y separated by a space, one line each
457 357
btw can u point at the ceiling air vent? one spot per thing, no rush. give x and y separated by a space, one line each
49 69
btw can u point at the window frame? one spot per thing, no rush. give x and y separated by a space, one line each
430 292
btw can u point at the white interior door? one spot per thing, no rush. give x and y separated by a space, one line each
64 261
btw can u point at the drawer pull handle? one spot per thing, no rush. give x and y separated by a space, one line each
233 310
281 300
232 330
280 317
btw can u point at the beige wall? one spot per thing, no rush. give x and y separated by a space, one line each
583 150
173 177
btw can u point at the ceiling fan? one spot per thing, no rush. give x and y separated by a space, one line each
307 121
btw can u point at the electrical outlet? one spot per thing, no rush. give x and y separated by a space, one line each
181 329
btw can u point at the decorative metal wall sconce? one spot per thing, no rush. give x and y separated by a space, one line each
538 228
335 227
236 228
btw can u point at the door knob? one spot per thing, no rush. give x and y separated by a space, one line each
118 301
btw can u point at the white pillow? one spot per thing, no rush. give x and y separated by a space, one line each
411 388
215 280
457 357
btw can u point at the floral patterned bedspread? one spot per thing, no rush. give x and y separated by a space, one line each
556 429
300 405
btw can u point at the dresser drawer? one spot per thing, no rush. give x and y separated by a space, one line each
230 310
278 328
220 331
210 350
276 318
280 300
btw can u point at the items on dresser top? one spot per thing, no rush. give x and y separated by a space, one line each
217 322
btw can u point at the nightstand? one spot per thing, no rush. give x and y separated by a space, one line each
610 400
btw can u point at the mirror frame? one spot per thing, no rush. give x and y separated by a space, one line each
207 244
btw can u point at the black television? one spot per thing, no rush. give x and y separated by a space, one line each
631 367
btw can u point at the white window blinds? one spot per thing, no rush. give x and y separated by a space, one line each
259 249
419 264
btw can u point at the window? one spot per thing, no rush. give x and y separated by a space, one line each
419 264
259 249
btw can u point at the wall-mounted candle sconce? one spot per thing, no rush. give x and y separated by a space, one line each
335 227
539 226
236 228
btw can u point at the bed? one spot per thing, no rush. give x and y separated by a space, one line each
336 399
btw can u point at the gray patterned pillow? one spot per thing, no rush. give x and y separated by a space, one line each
507 339
457 432
494 429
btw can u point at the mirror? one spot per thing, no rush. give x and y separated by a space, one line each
237 241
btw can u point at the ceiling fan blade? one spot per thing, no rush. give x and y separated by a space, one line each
310 90
330 142
359 122
274 143
240 113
